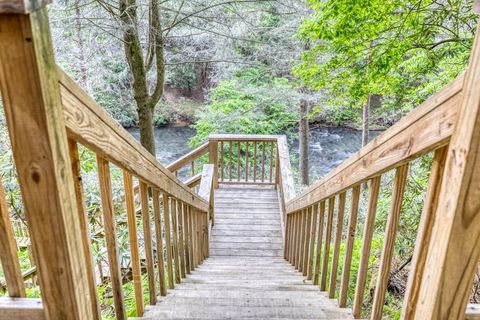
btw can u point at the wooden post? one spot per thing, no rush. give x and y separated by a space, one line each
328 238
159 237
453 250
168 244
147 236
33 110
318 256
336 245
213 157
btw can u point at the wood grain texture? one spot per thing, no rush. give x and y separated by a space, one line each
318 254
168 240
311 246
181 239
327 244
176 254
366 246
159 238
33 113
111 237
453 251
21 309
426 128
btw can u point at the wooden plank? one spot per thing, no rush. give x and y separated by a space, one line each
318 254
213 159
89 124
389 241
247 163
254 161
366 245
168 244
238 161
243 137
147 238
22 6
263 162
288 229
84 226
271 162
336 246
188 158
176 257
328 237
426 128
8 251
285 170
21 309
33 114
291 250
453 250
187 247
194 180
133 241
159 238
222 162
190 238
347 262
231 160
111 237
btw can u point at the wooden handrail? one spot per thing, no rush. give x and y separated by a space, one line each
91 126
188 158
424 129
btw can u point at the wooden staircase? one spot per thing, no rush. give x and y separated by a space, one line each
246 276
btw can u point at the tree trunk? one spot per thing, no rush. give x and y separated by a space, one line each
145 122
303 142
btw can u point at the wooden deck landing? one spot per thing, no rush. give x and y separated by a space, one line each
246 276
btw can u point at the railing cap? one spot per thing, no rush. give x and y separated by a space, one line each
244 137
22 6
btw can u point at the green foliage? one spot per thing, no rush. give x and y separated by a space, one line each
403 50
254 102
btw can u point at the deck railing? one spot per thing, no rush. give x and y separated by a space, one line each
446 252
48 115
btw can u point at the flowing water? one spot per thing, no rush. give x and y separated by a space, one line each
328 146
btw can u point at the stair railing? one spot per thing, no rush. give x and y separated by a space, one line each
48 116
446 252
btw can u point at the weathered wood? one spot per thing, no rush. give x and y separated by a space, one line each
366 246
453 251
8 252
243 137
181 239
263 161
389 241
194 180
238 161
254 161
147 239
176 257
285 170
318 254
247 164
328 237
133 241
21 309
303 232
89 124
308 233
159 238
347 263
39 142
271 162
336 246
213 159
168 244
110 236
426 128
186 232
231 160
222 162
188 158
190 238
206 190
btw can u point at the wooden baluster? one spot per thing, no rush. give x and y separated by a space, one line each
159 237
389 242
84 226
287 237
298 238
254 161
181 239
222 164
133 241
352 225
213 159
366 245
303 240
313 235
110 236
8 251
176 173
336 247
147 233
186 237
194 238
246 161
199 237
168 244
231 160
191 238
328 238
308 231
318 254
193 168
263 162
176 258
424 233
238 161
291 249
271 162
